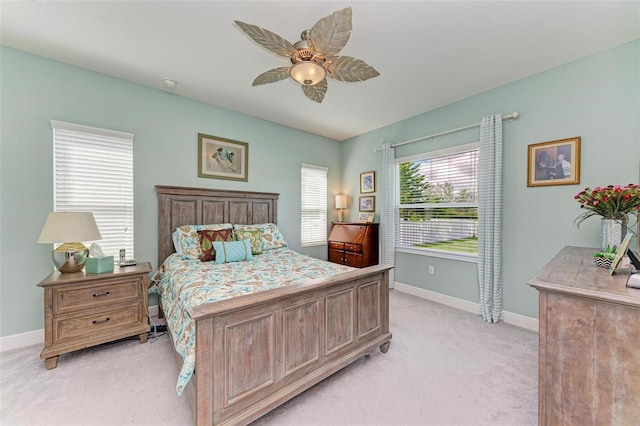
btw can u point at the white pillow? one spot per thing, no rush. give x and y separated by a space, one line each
175 236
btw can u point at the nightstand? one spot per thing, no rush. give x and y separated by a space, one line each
83 310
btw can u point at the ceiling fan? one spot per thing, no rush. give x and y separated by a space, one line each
314 57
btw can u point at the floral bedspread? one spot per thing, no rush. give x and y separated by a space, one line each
183 283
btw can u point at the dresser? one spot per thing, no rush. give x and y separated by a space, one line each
354 244
589 363
82 310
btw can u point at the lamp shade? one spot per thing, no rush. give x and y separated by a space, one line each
63 227
341 201
307 73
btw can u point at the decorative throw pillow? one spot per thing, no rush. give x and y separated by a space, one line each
190 242
271 236
234 251
207 237
254 236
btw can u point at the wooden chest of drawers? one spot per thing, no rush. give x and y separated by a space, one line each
589 366
82 310
354 244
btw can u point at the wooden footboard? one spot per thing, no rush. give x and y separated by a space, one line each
255 352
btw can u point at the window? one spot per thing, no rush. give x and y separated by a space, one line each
437 205
313 220
93 171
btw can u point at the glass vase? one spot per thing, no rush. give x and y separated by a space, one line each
613 231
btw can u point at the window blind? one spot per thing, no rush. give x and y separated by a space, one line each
313 220
93 171
438 201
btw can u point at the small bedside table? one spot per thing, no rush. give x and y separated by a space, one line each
83 310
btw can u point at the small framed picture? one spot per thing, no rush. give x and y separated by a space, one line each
367 182
368 203
554 163
366 217
624 245
220 158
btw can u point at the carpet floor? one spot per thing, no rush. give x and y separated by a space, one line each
444 367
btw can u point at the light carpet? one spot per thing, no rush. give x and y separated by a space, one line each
444 367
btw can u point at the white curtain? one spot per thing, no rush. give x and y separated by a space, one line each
387 211
490 218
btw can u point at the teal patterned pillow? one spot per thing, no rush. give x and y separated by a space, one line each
234 251
254 236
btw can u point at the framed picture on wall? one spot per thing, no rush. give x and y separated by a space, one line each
554 163
367 182
368 204
220 158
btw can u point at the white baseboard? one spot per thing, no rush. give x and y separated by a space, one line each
21 340
36 337
153 311
464 305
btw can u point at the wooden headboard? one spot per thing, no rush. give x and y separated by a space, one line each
179 206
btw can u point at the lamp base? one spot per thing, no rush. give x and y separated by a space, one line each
341 215
70 257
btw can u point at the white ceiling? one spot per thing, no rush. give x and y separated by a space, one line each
428 53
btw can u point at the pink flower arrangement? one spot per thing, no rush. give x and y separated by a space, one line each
610 202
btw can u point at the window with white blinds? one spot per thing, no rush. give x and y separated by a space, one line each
313 220
93 171
437 206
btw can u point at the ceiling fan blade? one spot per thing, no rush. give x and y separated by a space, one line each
267 39
331 33
317 91
272 76
346 68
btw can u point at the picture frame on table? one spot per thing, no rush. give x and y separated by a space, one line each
622 251
365 217
367 182
554 162
220 158
367 203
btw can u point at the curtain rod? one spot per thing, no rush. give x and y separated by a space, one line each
513 115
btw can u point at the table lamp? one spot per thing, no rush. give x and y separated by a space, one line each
341 204
69 228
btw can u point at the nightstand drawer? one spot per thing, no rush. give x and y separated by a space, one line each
72 327
353 247
337 246
73 299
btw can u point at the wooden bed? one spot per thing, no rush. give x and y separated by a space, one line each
257 351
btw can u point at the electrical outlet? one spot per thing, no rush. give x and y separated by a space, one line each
432 270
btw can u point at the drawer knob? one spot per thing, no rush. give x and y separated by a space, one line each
104 293
101 321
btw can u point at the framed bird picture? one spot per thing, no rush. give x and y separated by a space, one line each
220 158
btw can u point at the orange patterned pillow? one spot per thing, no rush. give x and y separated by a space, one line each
207 237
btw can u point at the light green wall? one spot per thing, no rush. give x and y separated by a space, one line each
597 98
36 90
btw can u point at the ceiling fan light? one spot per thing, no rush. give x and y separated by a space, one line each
307 73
